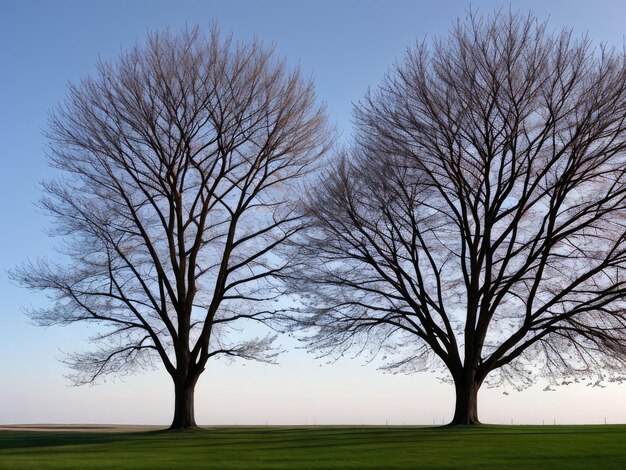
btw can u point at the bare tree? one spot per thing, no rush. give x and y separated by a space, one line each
177 164
477 222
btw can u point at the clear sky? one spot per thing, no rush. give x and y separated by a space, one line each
347 46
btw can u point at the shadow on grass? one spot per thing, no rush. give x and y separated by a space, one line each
24 439
271 436
281 437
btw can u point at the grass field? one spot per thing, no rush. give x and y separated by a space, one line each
501 447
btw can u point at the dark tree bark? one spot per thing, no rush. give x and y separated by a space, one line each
184 411
476 224
178 164
466 388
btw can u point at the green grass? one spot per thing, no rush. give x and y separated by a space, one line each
496 447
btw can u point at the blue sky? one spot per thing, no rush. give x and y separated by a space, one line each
346 46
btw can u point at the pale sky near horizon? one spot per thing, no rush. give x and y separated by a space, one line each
346 46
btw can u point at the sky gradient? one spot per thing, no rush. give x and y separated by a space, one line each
346 46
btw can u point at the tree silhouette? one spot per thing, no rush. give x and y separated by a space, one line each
477 221
177 168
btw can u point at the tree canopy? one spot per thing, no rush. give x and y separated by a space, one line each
177 173
477 221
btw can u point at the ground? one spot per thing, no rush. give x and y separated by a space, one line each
320 447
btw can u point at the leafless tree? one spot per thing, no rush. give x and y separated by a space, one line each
477 222
177 166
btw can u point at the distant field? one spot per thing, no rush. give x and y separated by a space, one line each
340 447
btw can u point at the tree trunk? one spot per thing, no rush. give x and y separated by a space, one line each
466 408
184 413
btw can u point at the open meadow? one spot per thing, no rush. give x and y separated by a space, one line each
321 447
313 212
